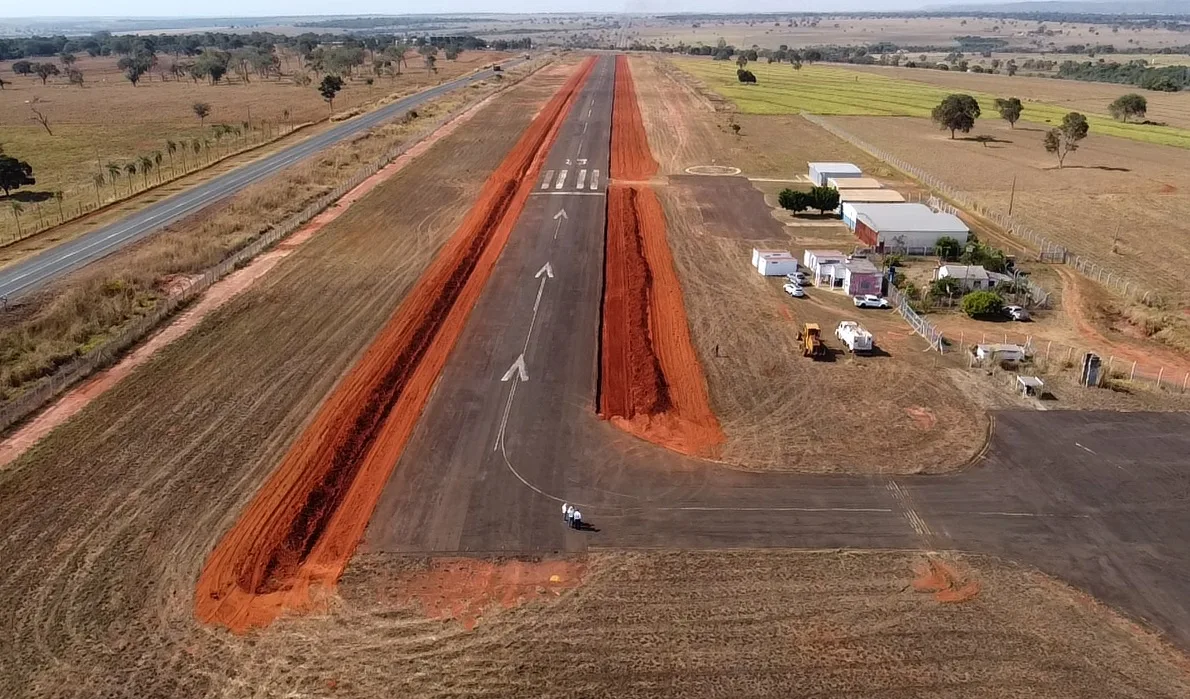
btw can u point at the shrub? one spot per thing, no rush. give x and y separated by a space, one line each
745 76
982 304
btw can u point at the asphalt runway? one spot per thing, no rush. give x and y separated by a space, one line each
1098 499
25 276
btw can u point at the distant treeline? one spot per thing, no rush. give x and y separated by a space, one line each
106 44
1173 22
1139 73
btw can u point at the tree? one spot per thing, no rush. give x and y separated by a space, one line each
947 248
45 71
1063 140
75 76
330 87
1010 109
16 214
58 198
1130 105
14 174
130 170
146 166
67 59
984 304
946 287
957 113
135 67
1010 68
824 199
22 68
793 200
113 176
41 118
99 181
202 110
745 76
741 61
430 59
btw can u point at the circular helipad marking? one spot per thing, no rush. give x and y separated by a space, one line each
712 170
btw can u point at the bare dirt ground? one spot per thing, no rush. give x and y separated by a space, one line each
1172 108
109 519
779 410
680 624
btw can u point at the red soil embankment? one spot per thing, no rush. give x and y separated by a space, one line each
651 383
299 531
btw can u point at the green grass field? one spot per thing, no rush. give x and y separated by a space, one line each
827 90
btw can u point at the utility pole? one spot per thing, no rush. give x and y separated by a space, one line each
1012 195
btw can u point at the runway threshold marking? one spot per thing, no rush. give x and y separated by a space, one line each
582 179
594 179
545 183
561 179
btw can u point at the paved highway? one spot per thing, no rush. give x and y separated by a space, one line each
23 277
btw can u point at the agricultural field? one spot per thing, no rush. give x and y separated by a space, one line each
797 31
759 383
202 425
1170 108
108 122
1110 201
838 91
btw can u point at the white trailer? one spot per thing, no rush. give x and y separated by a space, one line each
854 336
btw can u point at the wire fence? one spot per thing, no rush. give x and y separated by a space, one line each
1048 250
1056 356
106 353
920 325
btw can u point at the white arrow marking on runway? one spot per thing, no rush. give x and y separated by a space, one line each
517 368
518 371
559 217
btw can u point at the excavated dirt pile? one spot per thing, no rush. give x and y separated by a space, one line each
299 531
651 382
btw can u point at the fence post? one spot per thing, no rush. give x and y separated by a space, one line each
1132 374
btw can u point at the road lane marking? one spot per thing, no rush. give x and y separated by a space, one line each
582 178
545 183
561 179
1084 448
594 179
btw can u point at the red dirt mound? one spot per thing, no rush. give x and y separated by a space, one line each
303 525
944 582
465 589
631 158
651 383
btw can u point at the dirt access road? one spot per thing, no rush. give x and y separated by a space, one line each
511 432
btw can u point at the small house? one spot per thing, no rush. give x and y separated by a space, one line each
814 260
855 277
821 172
841 183
774 263
971 277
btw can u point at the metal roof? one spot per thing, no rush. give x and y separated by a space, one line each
869 195
908 217
854 182
835 167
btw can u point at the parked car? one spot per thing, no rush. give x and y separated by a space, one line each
1016 313
798 278
870 301
794 290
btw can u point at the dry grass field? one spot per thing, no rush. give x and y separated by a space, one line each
108 121
909 31
1118 201
779 410
1172 108
108 520
82 310
649 624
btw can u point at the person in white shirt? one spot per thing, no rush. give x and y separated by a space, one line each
566 512
578 519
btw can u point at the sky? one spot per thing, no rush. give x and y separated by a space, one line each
249 8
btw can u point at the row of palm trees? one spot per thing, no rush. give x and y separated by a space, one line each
188 153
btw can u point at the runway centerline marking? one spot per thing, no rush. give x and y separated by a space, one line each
1089 451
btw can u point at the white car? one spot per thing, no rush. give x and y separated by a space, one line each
798 278
1016 313
870 301
794 290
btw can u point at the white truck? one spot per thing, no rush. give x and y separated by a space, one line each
853 335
